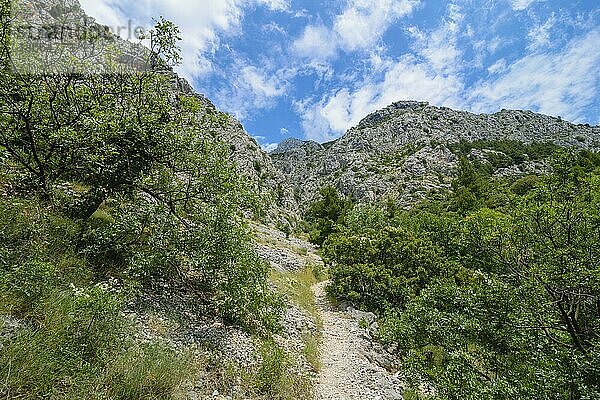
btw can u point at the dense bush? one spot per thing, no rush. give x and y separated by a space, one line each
107 183
486 302
381 269
325 214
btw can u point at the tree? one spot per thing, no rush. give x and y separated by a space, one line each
381 269
326 213
520 318
98 132
134 163
469 187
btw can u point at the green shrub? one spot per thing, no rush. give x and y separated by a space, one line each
273 379
524 185
369 286
66 346
490 292
147 372
326 213
25 285
273 368
382 269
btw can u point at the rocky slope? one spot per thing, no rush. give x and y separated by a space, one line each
404 151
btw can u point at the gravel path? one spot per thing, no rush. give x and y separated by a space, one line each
346 372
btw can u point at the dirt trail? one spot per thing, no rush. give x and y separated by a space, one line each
346 372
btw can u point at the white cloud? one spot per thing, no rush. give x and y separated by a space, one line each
359 27
260 84
269 147
276 5
266 146
440 47
363 23
315 124
519 5
405 79
316 43
484 48
274 27
498 67
433 77
539 35
253 89
104 12
563 83
200 22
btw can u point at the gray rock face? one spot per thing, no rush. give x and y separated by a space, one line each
403 151
256 165
290 144
56 36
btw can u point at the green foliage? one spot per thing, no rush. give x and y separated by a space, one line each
98 133
326 213
272 368
297 286
486 303
72 335
469 187
381 270
171 199
163 42
514 152
79 351
5 15
26 284
147 372
106 183
524 185
273 379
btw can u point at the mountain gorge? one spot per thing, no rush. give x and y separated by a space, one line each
151 249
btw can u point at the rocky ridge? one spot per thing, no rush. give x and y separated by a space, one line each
404 150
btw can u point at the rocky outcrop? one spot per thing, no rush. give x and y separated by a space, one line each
404 151
284 254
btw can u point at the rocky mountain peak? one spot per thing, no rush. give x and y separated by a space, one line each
293 144
405 150
394 108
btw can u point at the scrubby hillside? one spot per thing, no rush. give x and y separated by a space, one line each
461 250
127 269
489 291
104 56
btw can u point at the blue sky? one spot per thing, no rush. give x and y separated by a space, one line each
313 69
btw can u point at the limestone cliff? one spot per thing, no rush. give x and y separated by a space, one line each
405 150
